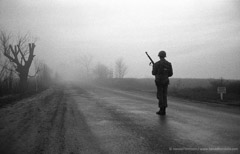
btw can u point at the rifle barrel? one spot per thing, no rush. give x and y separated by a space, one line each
150 58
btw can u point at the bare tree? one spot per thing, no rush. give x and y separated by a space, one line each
120 68
102 72
4 64
43 76
3 70
37 66
86 61
6 69
21 55
7 75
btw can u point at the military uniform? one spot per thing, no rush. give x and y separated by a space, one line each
162 71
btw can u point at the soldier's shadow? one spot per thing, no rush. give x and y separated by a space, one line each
163 120
165 125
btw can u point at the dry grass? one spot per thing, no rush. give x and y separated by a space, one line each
194 89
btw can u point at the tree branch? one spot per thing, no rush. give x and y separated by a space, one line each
23 57
15 59
9 57
5 67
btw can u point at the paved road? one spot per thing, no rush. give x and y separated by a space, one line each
125 122
93 120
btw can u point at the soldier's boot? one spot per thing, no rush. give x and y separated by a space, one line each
161 111
164 111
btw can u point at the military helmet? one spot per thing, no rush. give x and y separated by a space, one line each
162 54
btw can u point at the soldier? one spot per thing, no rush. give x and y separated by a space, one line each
162 70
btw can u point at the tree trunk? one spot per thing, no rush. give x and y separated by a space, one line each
23 84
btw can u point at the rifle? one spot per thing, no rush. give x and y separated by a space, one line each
152 62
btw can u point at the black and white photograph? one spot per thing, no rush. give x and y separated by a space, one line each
119 76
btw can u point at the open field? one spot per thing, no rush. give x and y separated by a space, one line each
193 89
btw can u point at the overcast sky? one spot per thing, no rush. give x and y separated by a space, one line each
201 37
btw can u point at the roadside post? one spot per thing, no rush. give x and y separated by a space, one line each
221 91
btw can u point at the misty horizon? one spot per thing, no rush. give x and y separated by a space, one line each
201 38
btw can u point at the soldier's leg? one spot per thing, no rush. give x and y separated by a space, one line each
165 90
160 96
164 103
161 101
158 92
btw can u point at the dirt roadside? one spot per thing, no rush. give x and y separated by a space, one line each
47 123
29 125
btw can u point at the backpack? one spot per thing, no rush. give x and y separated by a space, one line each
163 73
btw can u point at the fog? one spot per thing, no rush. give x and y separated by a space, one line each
201 38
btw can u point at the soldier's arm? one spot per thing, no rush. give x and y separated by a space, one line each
170 73
154 70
